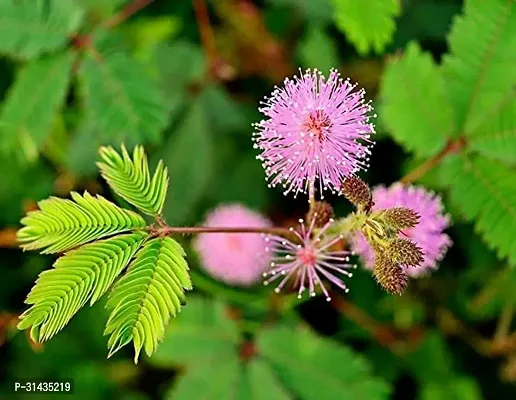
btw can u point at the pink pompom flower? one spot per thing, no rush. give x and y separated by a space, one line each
314 129
234 258
428 234
309 261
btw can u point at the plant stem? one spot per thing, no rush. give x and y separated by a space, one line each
311 194
453 146
192 230
126 12
205 31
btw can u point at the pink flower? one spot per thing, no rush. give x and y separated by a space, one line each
308 261
234 258
315 129
428 234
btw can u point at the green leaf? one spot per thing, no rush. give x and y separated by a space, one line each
31 27
457 388
131 179
415 106
495 138
208 382
189 157
179 64
125 103
477 72
61 224
319 369
145 298
262 382
317 50
80 275
485 191
203 333
33 103
314 10
370 27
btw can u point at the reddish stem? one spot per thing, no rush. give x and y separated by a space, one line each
168 230
453 146
126 12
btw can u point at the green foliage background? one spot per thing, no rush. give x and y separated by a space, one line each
441 74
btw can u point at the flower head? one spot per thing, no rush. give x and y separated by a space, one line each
234 258
314 129
427 234
309 261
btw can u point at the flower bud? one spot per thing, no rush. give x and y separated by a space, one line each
405 252
321 212
389 275
399 217
357 192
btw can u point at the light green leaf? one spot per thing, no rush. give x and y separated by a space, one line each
485 191
78 277
131 179
207 381
368 27
33 103
495 138
316 368
125 103
145 298
262 382
31 27
203 333
317 50
415 106
477 72
188 155
61 224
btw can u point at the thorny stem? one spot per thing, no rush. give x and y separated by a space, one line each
453 146
126 12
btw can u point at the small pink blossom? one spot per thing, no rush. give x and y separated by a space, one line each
428 234
234 258
314 129
309 261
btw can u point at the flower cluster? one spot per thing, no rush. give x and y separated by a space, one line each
316 134
315 129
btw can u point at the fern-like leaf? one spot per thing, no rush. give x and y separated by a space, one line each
496 137
131 179
368 27
80 275
122 100
485 191
145 298
479 72
429 123
31 27
62 224
26 121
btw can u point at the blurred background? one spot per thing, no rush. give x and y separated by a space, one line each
184 78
